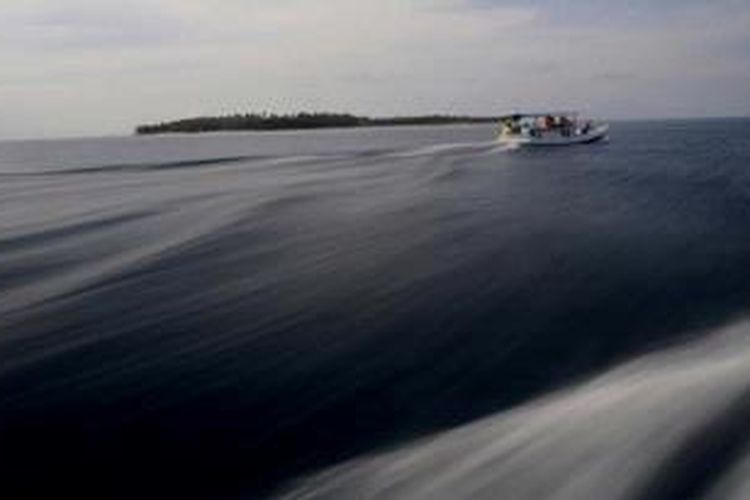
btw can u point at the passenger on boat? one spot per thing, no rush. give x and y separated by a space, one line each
566 126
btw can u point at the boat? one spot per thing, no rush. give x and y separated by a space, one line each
549 129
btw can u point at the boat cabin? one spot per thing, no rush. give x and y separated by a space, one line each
541 124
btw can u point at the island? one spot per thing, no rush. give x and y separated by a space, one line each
266 121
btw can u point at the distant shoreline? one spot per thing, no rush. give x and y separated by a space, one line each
299 121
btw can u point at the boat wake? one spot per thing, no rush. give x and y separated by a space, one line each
506 147
669 425
448 149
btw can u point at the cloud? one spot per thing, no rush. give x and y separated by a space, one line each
87 25
106 65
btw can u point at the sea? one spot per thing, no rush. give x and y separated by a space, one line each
377 313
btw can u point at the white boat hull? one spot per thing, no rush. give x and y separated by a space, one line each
595 134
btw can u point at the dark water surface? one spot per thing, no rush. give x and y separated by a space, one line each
416 312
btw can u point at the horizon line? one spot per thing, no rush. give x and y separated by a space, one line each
130 134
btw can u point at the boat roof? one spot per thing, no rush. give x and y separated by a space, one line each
516 116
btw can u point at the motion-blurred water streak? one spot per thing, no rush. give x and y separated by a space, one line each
376 313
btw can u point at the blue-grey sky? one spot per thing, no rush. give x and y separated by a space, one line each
79 67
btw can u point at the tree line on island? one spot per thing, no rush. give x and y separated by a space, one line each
266 121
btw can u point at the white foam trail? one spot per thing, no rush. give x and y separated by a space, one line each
607 439
453 148
507 147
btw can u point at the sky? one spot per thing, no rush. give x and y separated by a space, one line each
100 67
